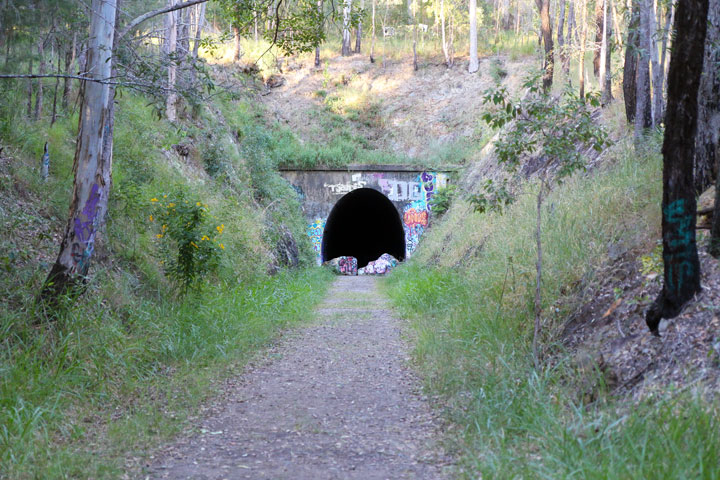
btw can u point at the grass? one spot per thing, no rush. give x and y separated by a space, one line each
469 292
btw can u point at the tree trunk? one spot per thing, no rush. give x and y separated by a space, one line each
255 24
346 28
200 17
53 117
597 55
473 66
39 90
643 108
569 40
658 76
616 22
69 67
30 89
583 40
358 32
605 63
560 34
92 174
664 47
442 28
630 66
538 275
546 31
414 17
237 50
321 26
372 40
681 264
170 51
708 131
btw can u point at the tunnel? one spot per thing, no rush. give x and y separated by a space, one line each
363 224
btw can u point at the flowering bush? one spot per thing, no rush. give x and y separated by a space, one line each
187 237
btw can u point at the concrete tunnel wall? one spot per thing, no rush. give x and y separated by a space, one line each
408 189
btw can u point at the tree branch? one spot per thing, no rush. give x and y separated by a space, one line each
154 13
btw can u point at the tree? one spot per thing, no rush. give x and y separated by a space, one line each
707 148
92 175
473 65
680 257
170 51
346 28
643 106
555 130
358 32
630 67
546 31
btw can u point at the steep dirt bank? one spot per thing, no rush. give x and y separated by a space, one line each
393 107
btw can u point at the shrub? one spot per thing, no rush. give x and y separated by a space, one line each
188 239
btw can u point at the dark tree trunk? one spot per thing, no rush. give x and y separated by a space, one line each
682 267
569 40
709 104
39 91
598 36
607 67
630 67
547 39
69 66
643 108
715 227
30 89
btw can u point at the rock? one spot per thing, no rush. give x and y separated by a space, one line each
275 81
343 265
381 266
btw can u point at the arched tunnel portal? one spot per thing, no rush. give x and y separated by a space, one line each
363 224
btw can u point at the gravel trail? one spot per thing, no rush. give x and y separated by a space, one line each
333 400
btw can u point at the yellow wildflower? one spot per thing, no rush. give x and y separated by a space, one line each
153 199
198 204
164 227
164 196
159 235
205 237
222 246
171 205
194 244
151 218
220 228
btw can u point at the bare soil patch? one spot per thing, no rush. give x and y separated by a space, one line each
336 399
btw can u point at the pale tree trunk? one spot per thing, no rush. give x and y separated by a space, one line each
372 40
643 109
560 35
53 117
658 76
583 38
30 89
358 35
707 148
414 17
473 66
547 39
598 37
569 40
616 22
679 208
346 28
321 26
39 91
69 67
605 60
92 173
200 19
448 61
170 51
255 23
666 34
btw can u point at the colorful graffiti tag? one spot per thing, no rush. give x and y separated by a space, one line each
343 188
416 215
315 232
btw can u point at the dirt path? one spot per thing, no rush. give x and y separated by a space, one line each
334 400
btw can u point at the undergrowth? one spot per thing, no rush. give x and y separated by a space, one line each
469 294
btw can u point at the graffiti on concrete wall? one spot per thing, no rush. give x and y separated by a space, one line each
315 232
343 188
399 191
416 214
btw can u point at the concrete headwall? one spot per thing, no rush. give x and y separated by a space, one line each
409 190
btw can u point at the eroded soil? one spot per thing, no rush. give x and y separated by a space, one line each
333 400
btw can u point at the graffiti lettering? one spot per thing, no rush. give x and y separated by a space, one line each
399 191
84 230
413 217
315 232
343 188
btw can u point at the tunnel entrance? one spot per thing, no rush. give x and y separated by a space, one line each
363 224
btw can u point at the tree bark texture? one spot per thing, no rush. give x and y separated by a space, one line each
547 38
473 66
583 40
643 106
708 131
560 34
346 28
372 38
41 71
606 60
358 32
569 40
631 61
170 51
658 76
92 174
681 264
597 54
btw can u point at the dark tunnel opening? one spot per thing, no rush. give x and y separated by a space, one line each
363 224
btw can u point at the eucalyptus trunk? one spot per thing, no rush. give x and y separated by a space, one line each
473 66
91 166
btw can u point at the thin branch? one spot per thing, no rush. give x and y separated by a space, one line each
157 12
55 75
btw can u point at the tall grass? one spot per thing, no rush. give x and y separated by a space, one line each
472 313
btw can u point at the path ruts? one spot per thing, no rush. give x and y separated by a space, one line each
333 400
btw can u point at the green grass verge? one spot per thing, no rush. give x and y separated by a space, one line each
472 320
